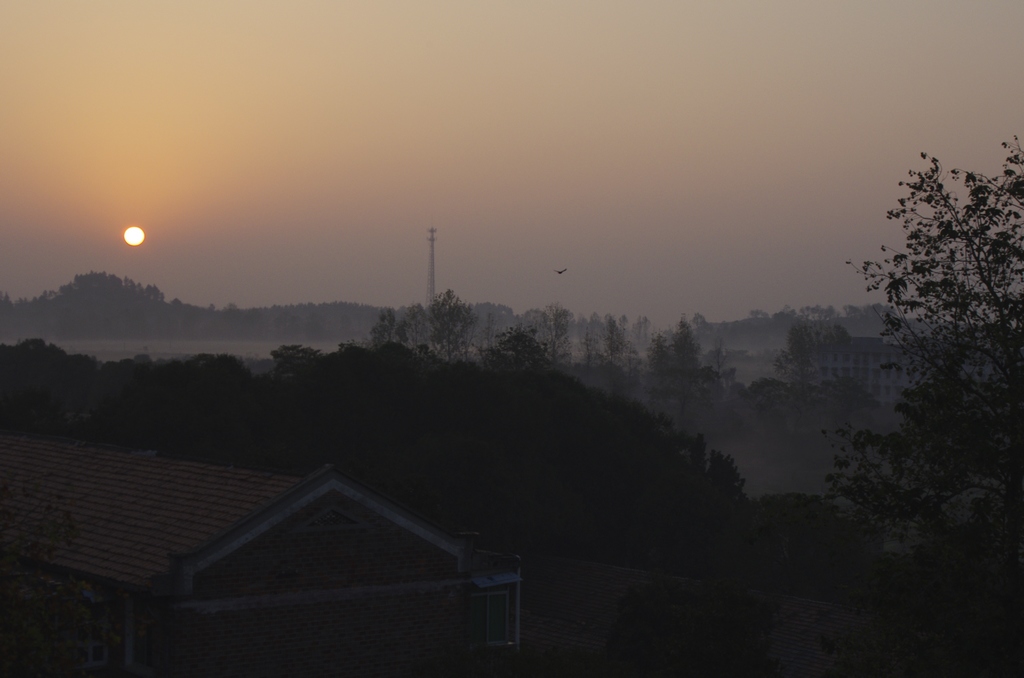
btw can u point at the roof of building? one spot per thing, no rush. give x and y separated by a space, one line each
131 509
573 604
151 522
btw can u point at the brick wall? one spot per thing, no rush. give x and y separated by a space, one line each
294 557
355 596
377 636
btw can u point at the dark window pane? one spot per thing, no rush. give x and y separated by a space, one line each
497 618
478 620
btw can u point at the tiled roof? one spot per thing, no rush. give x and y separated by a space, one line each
573 604
131 510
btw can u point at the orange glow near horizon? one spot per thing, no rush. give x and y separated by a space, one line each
677 156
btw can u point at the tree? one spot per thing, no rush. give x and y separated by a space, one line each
32 364
616 342
32 411
798 362
487 334
667 629
619 360
291 360
769 397
413 329
949 484
845 397
590 341
517 349
452 322
718 356
206 405
641 331
42 613
553 329
800 545
678 380
385 330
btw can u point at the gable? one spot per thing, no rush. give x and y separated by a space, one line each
354 502
366 551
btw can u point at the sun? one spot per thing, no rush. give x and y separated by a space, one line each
134 236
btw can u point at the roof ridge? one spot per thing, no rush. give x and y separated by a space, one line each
148 453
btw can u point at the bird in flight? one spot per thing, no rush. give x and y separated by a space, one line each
561 272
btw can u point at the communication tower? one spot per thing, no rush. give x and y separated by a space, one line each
430 267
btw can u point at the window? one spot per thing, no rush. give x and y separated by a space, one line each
92 638
91 651
488 624
141 637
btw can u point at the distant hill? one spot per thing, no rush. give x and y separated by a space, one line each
101 306
104 306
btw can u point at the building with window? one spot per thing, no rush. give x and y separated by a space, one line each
208 570
864 360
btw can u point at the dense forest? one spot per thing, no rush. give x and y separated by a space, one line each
723 379
528 456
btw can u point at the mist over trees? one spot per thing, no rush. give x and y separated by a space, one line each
678 379
722 379
104 306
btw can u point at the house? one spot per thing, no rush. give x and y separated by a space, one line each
208 570
573 604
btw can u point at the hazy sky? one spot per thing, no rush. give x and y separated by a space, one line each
675 156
